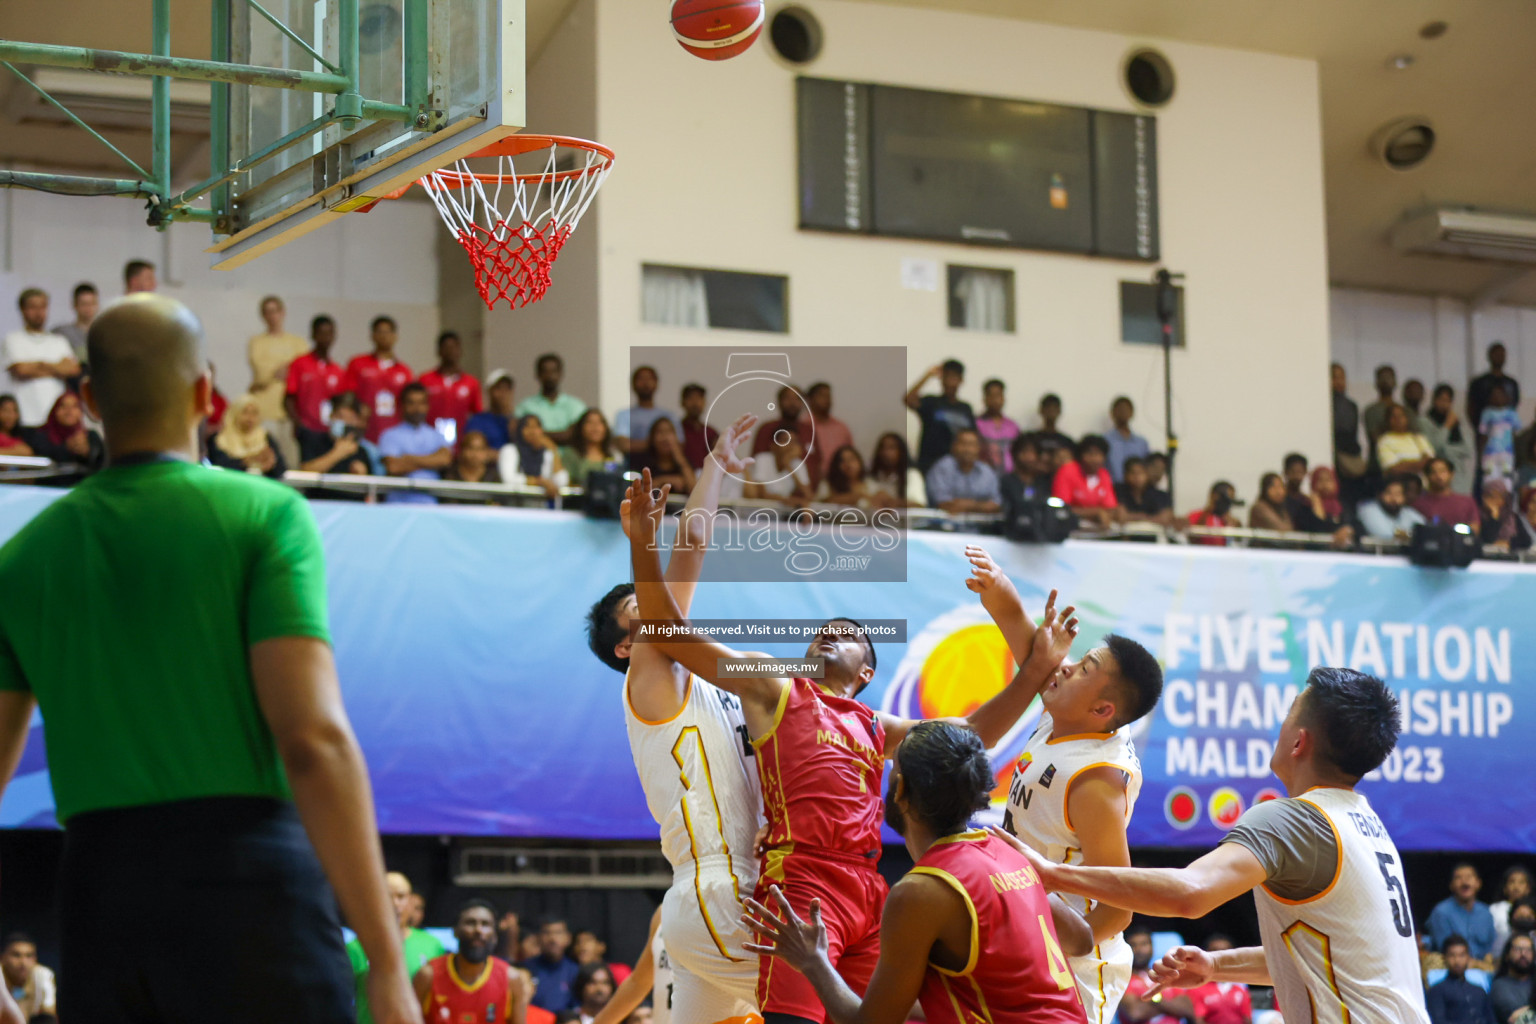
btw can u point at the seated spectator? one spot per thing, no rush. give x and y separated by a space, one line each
1496 517
997 431
556 410
453 395
1399 450
554 973
1056 448
31 984
1515 886
243 444
1525 458
1525 522
1139 501
1123 443
592 989
825 435
1221 1002
1463 915
528 946
1027 483
65 438
1157 470
38 361
779 474
1510 992
791 406
1439 504
895 481
943 415
589 948
496 422
413 448
532 459
1086 486
960 481
698 437
1294 469
591 449
1269 511
473 463
1388 517
1455 1000
845 483
1171 1004
347 449
1058 458
11 440
1321 511
632 426
663 456
1217 513
1497 429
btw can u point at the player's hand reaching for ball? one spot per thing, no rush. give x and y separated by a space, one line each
1044 868
1054 636
643 506
1182 967
798 943
985 573
725 447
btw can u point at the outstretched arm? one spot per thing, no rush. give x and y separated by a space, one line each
1190 967
696 525
1001 600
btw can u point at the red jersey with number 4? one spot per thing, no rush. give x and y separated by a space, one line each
1017 973
377 384
820 767
455 397
486 1000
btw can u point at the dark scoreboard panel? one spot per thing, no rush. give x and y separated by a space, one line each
915 163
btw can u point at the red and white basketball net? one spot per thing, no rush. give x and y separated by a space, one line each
513 224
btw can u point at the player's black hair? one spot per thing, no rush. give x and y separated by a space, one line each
412 388
382 318
1138 679
473 904
445 336
691 387
1454 940
319 321
603 632
1293 458
948 775
869 645
14 937
1092 442
1356 717
953 366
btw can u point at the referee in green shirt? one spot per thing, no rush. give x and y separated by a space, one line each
170 622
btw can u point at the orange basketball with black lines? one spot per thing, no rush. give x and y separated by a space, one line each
717 29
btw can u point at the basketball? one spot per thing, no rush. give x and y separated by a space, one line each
717 29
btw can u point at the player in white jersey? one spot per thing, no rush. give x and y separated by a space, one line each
1333 912
691 748
652 975
1076 783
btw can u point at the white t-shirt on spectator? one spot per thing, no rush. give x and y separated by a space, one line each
34 397
776 483
509 464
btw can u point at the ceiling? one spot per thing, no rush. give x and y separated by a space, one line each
1476 84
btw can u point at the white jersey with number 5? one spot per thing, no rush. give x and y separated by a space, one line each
1348 953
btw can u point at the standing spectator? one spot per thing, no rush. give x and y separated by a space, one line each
1346 427
779 474
960 481
557 411
1455 1000
997 431
632 426
592 449
896 482
413 448
139 276
1139 501
1510 992
378 377
790 406
943 415
38 361
592 989
471 984
496 422
533 459
1439 504
698 437
1413 401
32 985
314 380
243 443
1221 1002
1086 486
1388 517
845 482
12 441
271 353
553 972
417 945
1451 440
665 459
65 438
824 434
1321 511
1123 443
1055 447
1462 914
1216 513
1497 526
1375 415
1269 511
1516 886
347 449
1170 1006
85 303
1399 450
1496 431
1480 391
453 396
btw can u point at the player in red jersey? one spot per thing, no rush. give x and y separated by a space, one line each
377 378
969 932
820 755
453 394
471 985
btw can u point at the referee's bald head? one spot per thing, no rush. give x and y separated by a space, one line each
146 354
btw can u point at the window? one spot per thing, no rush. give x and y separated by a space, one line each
981 299
1139 324
721 299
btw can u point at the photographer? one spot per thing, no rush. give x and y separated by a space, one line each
1217 512
348 451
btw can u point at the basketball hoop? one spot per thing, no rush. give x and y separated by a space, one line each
513 223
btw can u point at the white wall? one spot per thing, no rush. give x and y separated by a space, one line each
364 265
706 177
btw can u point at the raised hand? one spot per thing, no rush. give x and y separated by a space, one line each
985 573
794 941
1057 630
1181 967
643 507
725 446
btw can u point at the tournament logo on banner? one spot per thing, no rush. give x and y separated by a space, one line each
1225 807
1182 808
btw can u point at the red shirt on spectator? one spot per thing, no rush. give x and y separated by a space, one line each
377 383
456 398
1222 1002
220 406
698 440
1204 518
313 382
1139 984
1081 491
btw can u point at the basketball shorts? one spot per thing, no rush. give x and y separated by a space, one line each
713 978
852 896
1102 978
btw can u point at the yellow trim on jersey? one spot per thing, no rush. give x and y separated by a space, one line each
1079 736
974 836
693 847
778 716
981 1001
954 1002
1326 945
1338 866
970 907
773 862
1066 794
453 975
629 703
1099 955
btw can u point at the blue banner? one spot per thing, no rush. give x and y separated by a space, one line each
459 638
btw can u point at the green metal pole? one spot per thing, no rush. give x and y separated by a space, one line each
160 97
349 103
218 120
172 67
74 185
416 59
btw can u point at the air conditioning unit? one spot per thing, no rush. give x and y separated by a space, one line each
105 100
548 868
1505 237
